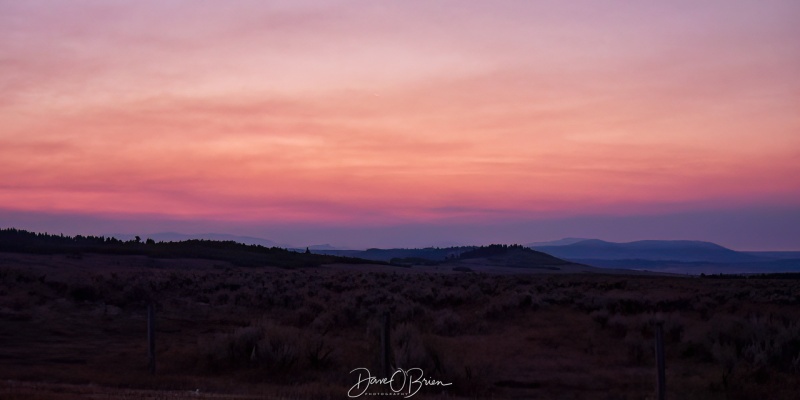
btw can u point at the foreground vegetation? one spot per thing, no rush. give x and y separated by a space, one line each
298 333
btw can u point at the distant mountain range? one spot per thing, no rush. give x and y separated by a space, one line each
509 259
464 259
677 256
683 256
661 250
560 242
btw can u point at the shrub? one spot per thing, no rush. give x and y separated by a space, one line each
446 322
279 350
600 317
638 347
84 293
409 348
318 353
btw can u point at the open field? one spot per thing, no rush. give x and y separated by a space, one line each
74 326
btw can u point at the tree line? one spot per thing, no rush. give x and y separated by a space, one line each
22 241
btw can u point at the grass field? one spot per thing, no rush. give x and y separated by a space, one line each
75 327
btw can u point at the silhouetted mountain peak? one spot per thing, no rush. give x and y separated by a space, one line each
675 250
559 242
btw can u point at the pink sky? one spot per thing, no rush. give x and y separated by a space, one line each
390 114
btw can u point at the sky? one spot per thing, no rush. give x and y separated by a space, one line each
403 123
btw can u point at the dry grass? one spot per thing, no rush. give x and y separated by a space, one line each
76 328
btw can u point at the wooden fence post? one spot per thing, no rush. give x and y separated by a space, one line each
151 338
661 383
385 346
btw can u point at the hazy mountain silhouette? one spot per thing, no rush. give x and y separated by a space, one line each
559 242
679 256
658 250
775 255
325 246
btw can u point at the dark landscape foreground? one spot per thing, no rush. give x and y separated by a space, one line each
74 326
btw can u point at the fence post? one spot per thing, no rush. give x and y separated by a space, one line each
385 346
151 338
661 383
